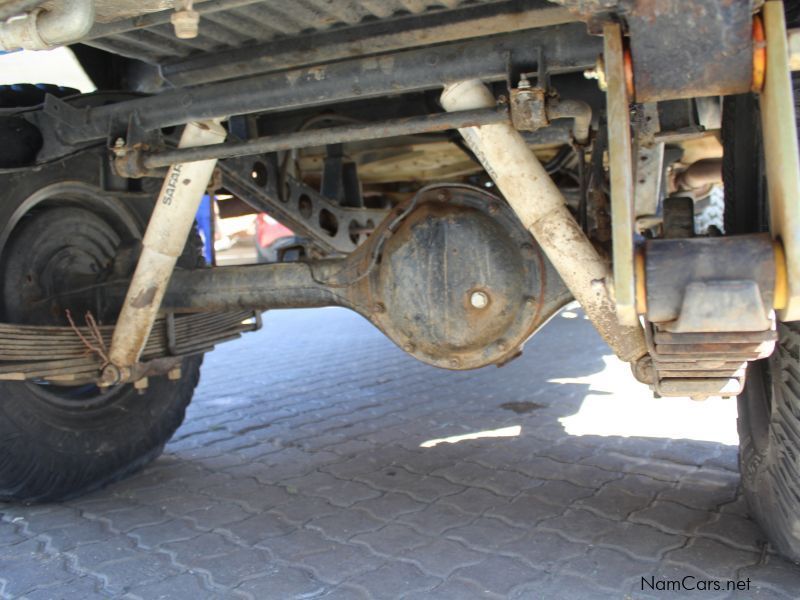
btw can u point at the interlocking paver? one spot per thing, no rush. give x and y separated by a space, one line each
392 539
732 559
607 568
640 541
338 562
544 549
486 533
231 569
524 510
435 519
499 574
442 557
82 531
257 528
50 572
217 515
85 588
386 580
302 471
390 505
345 524
279 581
186 586
613 502
120 576
205 545
671 516
456 589
175 530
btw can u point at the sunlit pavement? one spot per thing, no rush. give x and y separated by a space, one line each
319 461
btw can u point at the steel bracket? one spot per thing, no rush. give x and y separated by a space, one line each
781 154
620 155
332 227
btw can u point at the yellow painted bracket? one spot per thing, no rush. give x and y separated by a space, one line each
781 154
620 158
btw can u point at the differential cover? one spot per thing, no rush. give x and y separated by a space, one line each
460 283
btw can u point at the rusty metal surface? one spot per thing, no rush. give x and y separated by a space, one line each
334 228
672 265
685 48
704 364
709 312
419 278
58 355
321 137
528 108
457 243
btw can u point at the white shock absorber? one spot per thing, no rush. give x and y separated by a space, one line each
541 208
164 240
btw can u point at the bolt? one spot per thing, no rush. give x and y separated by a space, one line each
185 21
409 347
119 147
111 375
378 307
479 300
598 72
524 84
455 363
502 346
141 385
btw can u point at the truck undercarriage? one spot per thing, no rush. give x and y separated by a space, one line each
459 171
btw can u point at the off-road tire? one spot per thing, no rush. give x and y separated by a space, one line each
769 407
769 442
51 447
708 213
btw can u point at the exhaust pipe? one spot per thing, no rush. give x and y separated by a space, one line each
40 29
542 210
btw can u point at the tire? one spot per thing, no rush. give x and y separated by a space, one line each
769 442
59 442
21 95
708 212
769 406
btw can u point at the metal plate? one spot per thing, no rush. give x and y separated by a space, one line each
686 48
332 227
458 241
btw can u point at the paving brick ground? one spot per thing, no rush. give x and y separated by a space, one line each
302 471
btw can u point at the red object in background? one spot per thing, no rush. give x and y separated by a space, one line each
268 230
